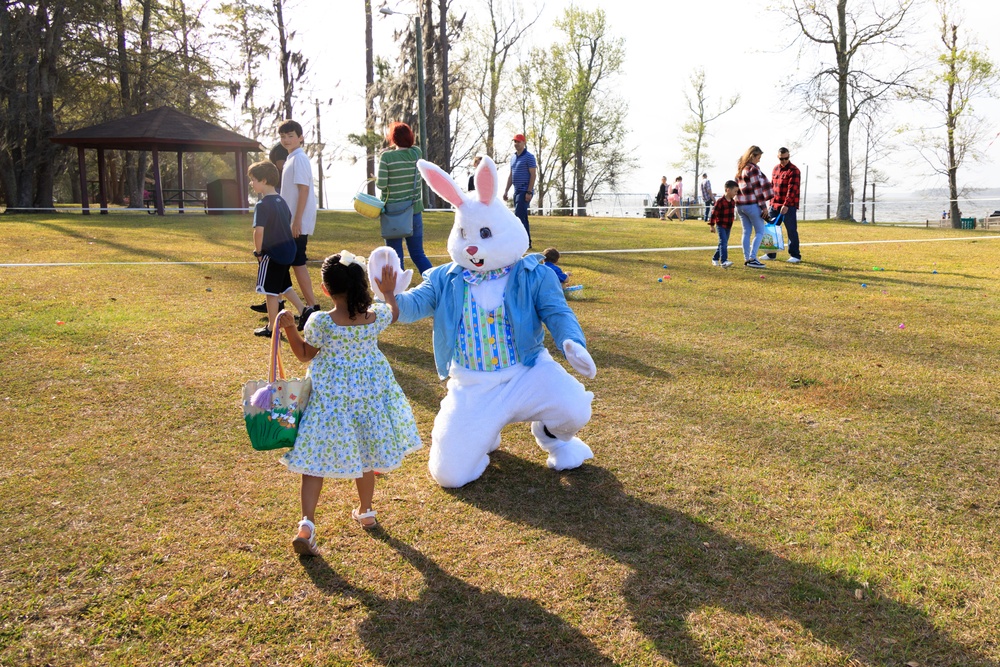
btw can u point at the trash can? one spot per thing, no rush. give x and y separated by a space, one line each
968 223
221 193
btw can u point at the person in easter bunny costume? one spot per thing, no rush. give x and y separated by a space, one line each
489 305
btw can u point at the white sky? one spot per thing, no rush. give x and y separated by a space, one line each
740 44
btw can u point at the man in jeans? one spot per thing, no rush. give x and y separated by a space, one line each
522 177
707 196
785 180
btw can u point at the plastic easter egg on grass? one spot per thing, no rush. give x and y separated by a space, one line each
864 284
659 280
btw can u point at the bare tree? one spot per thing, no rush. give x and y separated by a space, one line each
594 116
963 73
874 142
369 101
292 64
695 128
493 44
244 26
858 38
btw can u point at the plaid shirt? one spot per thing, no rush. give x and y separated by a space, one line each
706 190
722 213
753 187
786 181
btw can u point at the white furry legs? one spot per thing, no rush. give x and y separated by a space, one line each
478 405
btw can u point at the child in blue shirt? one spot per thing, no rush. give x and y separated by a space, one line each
552 261
274 246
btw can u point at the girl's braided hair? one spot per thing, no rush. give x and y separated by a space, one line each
350 280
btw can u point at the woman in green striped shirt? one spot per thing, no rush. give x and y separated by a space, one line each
398 181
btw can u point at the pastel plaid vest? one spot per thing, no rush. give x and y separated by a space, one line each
485 338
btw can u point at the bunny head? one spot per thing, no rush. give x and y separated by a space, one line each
486 234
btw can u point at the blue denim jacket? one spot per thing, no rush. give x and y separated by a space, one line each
532 297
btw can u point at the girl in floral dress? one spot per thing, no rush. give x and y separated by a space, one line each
358 422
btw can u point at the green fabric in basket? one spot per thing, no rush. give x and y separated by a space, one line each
273 429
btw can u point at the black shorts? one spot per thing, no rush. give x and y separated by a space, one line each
272 278
300 250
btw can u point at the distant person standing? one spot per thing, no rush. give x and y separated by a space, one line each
297 191
751 203
707 196
472 176
399 181
661 198
678 187
277 156
674 203
522 176
786 180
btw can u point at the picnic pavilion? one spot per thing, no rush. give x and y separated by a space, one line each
162 129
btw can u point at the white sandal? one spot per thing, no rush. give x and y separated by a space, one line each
360 516
303 546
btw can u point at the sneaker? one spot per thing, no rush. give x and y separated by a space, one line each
794 260
715 262
766 258
306 314
262 307
726 264
754 264
264 332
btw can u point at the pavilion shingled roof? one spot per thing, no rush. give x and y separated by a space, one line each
164 128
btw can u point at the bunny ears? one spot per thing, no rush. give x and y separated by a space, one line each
442 183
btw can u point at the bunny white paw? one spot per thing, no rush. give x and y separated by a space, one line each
569 455
380 257
580 359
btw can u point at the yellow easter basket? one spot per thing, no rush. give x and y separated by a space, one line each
367 205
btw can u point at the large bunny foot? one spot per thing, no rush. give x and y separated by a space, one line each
563 454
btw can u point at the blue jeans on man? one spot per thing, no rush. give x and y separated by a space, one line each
722 252
414 245
708 209
791 232
521 211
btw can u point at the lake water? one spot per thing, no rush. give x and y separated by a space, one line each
904 207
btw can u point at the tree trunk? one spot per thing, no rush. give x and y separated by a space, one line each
952 126
843 115
283 58
579 171
444 46
369 102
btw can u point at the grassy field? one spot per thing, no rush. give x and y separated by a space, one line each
791 468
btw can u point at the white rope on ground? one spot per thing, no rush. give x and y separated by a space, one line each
561 252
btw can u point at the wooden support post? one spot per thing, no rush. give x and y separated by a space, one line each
157 183
180 181
102 178
244 183
84 199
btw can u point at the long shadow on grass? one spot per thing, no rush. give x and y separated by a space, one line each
141 252
455 623
855 276
681 566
